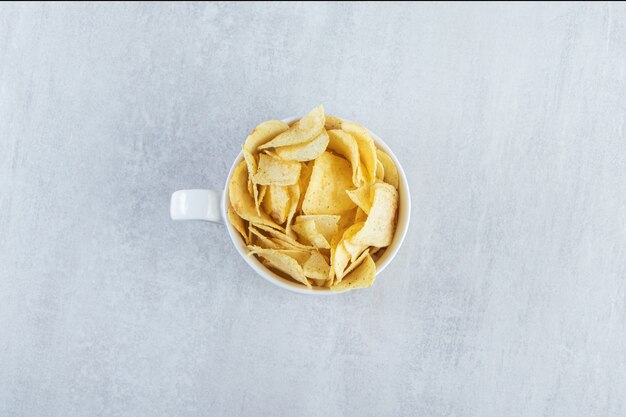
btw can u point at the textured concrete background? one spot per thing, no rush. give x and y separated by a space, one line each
508 297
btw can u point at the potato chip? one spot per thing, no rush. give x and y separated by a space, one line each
286 264
252 168
260 197
251 188
332 122
316 267
263 133
306 230
306 129
353 249
273 171
357 261
362 197
237 223
294 199
283 237
344 144
362 277
304 151
380 171
340 261
367 149
391 172
380 224
264 242
325 224
346 219
276 203
326 193
241 200
305 178
360 215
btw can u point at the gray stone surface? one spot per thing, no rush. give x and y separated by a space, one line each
507 298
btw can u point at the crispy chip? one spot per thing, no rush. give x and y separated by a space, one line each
344 144
273 171
362 197
367 149
380 171
332 122
263 133
241 200
283 237
360 215
260 240
238 223
305 178
306 230
357 261
294 199
391 172
353 249
326 193
346 219
306 129
261 196
316 267
340 261
304 151
286 264
276 203
362 277
326 224
380 224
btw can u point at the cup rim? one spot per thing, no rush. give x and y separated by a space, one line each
404 216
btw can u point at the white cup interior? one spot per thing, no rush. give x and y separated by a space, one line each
404 215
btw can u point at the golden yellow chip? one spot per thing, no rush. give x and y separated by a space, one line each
367 149
316 267
305 177
283 237
285 264
263 133
340 260
261 195
357 261
362 197
304 151
306 129
362 277
380 224
391 171
274 171
241 200
326 193
276 203
346 220
360 215
380 171
307 231
326 224
332 122
294 199
264 242
344 144
237 223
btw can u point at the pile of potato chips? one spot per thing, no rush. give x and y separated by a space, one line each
315 201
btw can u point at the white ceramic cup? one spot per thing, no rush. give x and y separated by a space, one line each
211 206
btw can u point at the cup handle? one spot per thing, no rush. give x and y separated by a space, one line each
196 205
